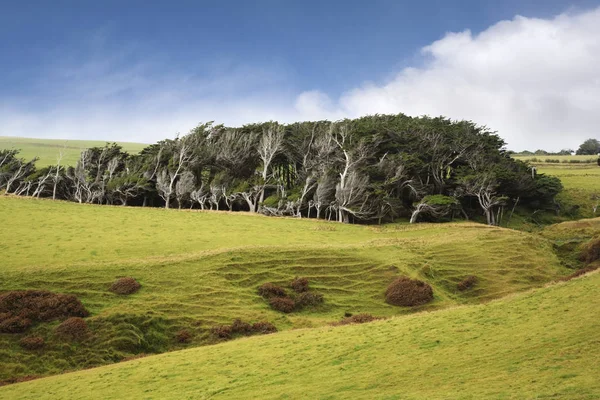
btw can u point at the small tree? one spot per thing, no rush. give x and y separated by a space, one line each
589 147
436 206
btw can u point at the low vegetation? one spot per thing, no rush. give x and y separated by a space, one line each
408 292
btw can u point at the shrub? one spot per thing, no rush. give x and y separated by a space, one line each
39 306
356 319
241 327
73 328
15 324
18 379
183 336
283 304
222 331
408 292
580 272
590 251
263 327
269 290
309 299
32 342
467 283
125 285
299 285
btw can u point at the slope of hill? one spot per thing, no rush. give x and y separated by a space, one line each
542 344
202 269
48 149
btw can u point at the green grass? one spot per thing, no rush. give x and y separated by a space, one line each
48 149
541 159
539 345
200 269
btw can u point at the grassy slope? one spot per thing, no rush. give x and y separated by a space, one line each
199 269
48 149
542 344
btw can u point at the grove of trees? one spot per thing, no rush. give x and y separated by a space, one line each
371 169
589 147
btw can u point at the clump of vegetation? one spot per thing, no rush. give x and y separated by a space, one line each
283 304
241 328
32 342
308 299
18 379
408 292
21 308
590 251
183 336
356 319
299 285
580 272
125 286
74 328
269 290
467 283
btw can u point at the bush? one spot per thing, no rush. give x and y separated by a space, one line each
590 251
222 331
32 342
125 286
73 328
263 328
15 324
408 292
241 327
268 290
183 336
467 283
24 307
309 299
580 272
356 319
299 285
283 304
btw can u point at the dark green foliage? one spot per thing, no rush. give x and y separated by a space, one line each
32 342
74 328
589 148
467 283
408 292
125 286
283 304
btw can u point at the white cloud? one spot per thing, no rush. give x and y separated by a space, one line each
535 81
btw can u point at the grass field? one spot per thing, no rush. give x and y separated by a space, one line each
542 159
48 149
539 345
201 269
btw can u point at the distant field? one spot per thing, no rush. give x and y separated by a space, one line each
48 149
541 159
201 269
539 345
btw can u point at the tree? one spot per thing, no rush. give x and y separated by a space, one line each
436 206
484 187
589 148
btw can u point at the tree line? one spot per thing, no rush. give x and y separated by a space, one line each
371 169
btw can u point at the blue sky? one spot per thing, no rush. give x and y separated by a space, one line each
140 70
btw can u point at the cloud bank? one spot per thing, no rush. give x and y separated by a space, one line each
534 81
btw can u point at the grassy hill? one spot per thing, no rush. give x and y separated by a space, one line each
541 344
202 269
48 149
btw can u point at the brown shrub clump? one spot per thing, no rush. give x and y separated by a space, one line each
309 299
590 251
356 319
241 327
74 328
183 336
269 290
19 309
283 304
222 331
125 285
263 328
467 283
299 285
19 379
32 342
408 292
